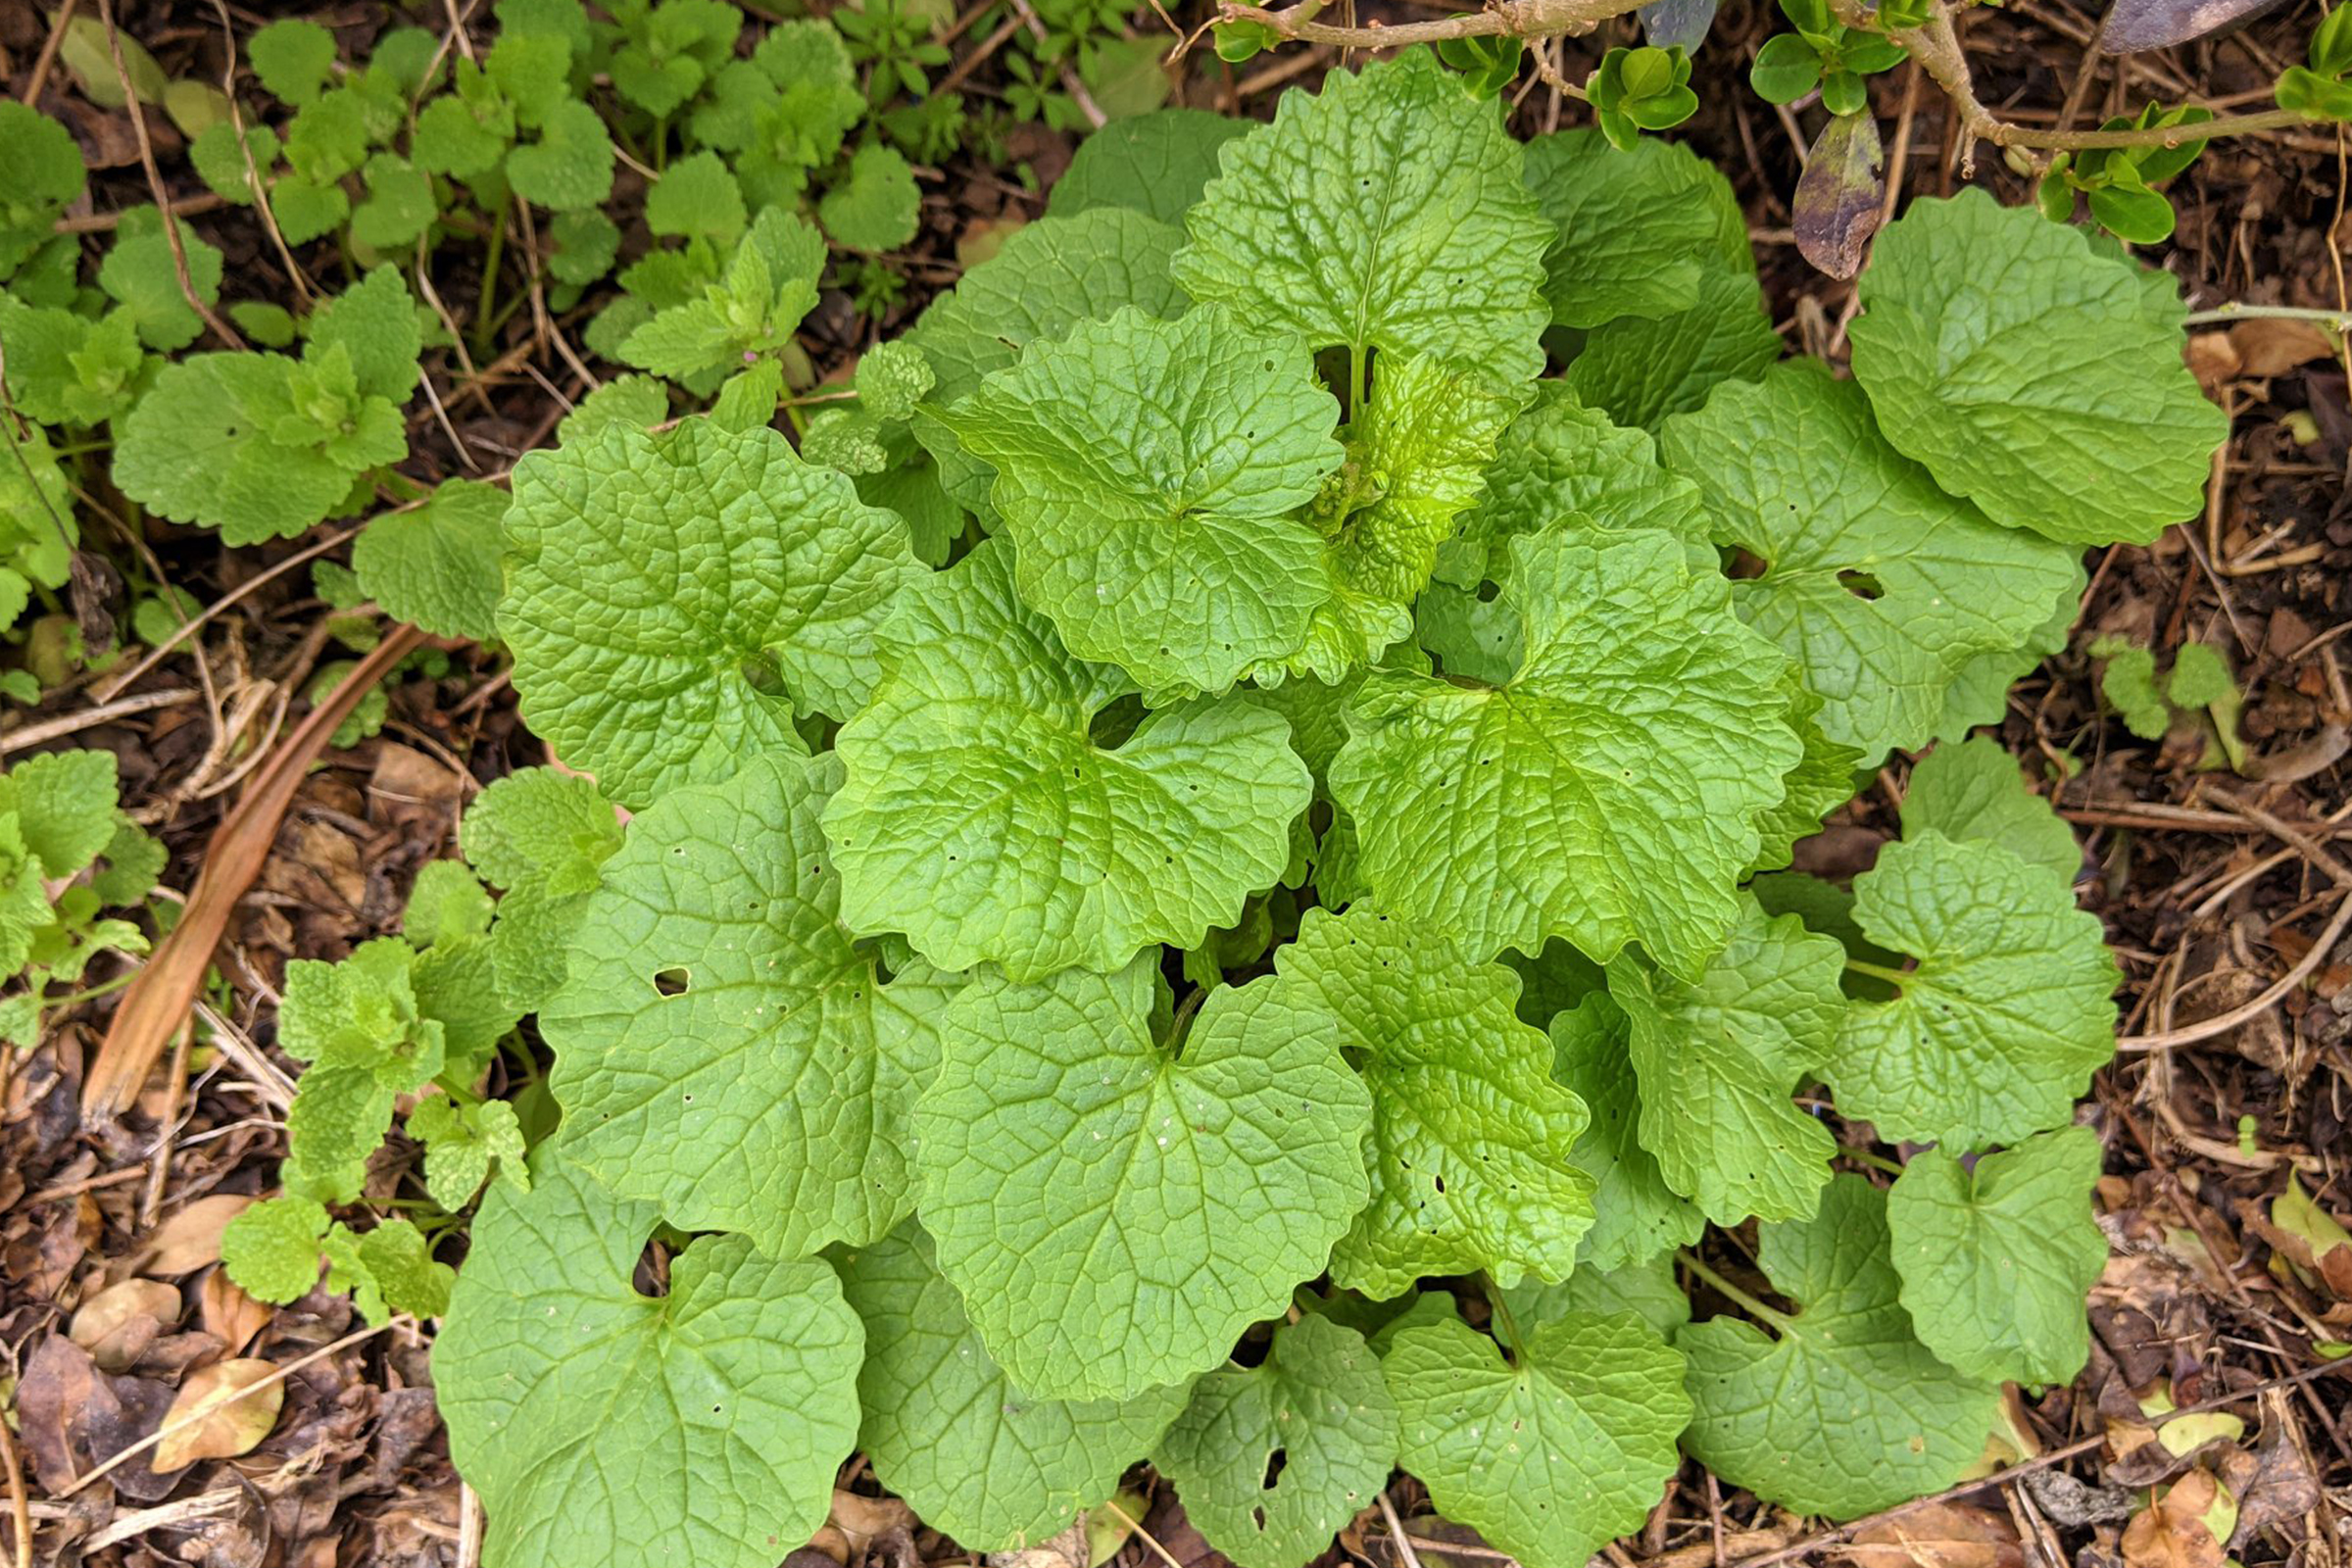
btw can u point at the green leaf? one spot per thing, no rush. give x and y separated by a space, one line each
1649 1291
1875 582
672 600
769 285
1718 1059
1608 793
271 1250
1972 790
1550 1458
463 1143
42 173
1468 1153
293 58
1839 1410
570 166
2010 1009
139 272
446 905
540 829
1385 213
1638 1215
981 819
1637 372
1114 1212
877 206
1635 231
976 1458
1996 1260
697 195
585 1413
2050 389
1980 692
338 1117
1154 163
1315 1415
437 565
1149 473
400 205
1050 277
723 1047
63 803
389 1269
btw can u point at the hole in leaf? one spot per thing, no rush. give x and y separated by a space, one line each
1861 584
671 982
1274 1464
1489 592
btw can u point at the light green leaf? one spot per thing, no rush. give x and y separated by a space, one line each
43 173
1996 1262
1315 1415
570 164
722 1049
437 565
2048 389
1718 1060
63 803
981 819
1114 1212
1149 473
2010 1009
271 1249
1876 583
1839 1411
1972 790
1608 793
140 272
1647 1290
1386 212
387 1270
1154 164
876 206
672 600
1551 1458
1468 1153
374 321
1980 692
1633 231
700 1427
541 829
293 58
1638 1215
769 285
1638 370
976 1458
1050 277
446 905
463 1143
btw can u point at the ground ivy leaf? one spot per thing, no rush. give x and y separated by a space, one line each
1637 1214
700 1427
980 817
1633 231
1980 692
1608 793
1649 1291
1553 1458
1415 462
672 600
2010 1009
723 1047
2048 389
1438 252
1971 789
1156 163
1840 1410
437 565
1114 1215
975 1457
1879 585
1468 1153
1638 370
1996 1262
1718 1060
1050 277
1149 473
1315 1415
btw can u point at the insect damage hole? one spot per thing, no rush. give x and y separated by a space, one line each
672 981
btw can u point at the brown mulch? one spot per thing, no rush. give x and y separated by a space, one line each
2212 883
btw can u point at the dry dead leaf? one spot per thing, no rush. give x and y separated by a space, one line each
2171 1532
228 1314
230 1409
2273 346
121 1321
1943 1535
861 1519
190 1239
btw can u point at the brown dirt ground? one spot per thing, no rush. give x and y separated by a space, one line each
2212 885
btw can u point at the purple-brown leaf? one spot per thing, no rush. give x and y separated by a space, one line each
1841 194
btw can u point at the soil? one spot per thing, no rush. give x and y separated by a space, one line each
2214 882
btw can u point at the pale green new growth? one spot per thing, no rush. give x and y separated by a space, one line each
1113 1208
975 1457
2032 374
673 600
1553 1458
1608 793
2009 1010
1315 1416
981 818
722 1047
1839 1410
583 1412
1971 789
1995 1261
